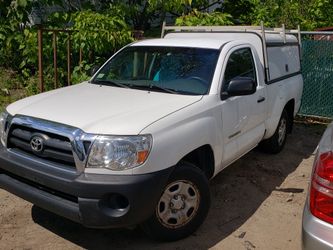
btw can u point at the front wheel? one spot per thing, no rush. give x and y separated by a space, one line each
276 143
182 207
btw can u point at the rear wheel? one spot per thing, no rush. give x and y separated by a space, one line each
276 143
182 207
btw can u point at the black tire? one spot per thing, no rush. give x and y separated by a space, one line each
276 143
185 177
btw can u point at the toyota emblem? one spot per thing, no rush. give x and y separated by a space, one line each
36 144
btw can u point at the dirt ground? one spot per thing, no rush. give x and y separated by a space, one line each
257 203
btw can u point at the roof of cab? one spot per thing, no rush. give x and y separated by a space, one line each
207 43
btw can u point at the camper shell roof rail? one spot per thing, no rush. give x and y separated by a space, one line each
260 29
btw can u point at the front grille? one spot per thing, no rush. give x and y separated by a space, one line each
48 145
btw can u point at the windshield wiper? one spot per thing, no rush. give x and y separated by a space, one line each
167 90
108 82
155 87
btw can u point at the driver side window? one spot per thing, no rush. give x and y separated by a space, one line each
240 64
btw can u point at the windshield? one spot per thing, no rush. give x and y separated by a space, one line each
169 69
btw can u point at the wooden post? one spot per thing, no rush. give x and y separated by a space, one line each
69 59
40 58
55 59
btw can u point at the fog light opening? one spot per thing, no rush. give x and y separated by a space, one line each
118 202
114 205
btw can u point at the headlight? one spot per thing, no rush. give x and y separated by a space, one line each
119 152
3 120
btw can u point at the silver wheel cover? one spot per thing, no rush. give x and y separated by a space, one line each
282 131
178 204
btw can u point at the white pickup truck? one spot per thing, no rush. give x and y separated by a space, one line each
138 143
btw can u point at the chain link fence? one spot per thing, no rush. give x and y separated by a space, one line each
317 70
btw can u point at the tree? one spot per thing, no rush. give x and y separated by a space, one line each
240 10
141 14
206 19
310 14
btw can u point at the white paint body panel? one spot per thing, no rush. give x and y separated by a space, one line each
178 123
102 109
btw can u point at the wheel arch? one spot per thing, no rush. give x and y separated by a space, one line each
203 158
273 121
290 108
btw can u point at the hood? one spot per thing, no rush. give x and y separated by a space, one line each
102 109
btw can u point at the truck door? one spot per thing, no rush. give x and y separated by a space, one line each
243 116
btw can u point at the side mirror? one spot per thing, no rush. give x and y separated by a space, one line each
94 69
240 86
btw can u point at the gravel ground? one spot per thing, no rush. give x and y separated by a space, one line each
257 203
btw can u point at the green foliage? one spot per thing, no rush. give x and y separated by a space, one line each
310 14
318 14
18 44
81 72
101 33
137 13
29 52
31 86
205 19
11 87
97 35
239 9
143 14
179 7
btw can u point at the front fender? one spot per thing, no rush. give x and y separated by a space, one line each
172 142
